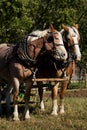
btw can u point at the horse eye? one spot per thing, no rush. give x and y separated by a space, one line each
57 38
50 39
68 39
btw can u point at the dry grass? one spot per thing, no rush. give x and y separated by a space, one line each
75 117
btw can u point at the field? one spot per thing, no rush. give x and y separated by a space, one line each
75 117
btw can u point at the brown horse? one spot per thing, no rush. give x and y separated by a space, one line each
17 63
51 68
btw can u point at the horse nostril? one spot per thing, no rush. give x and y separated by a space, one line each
63 54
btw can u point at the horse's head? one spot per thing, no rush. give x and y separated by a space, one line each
38 42
48 40
71 39
54 43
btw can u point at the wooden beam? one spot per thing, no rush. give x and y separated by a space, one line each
50 79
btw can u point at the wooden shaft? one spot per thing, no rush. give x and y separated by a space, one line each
50 79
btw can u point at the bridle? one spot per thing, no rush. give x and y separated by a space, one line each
55 44
69 47
49 40
71 56
73 45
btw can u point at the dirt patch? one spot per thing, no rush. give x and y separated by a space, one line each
76 93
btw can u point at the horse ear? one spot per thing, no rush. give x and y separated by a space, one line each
51 27
65 27
76 26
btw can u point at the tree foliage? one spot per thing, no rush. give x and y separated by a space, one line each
20 17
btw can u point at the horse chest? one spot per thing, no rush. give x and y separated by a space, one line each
26 73
19 71
59 73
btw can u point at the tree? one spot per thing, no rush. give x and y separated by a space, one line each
13 22
20 17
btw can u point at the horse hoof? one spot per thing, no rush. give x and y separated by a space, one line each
42 109
16 119
26 119
54 114
61 112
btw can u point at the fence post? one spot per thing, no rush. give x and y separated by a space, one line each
86 80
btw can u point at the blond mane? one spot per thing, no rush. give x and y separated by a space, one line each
38 34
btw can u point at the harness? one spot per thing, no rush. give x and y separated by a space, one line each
62 65
23 51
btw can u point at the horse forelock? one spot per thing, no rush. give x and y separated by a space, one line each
73 31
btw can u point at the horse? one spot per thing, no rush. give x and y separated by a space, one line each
51 68
18 62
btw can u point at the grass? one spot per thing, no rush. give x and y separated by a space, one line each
75 117
77 85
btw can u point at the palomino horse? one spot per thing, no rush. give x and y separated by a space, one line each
51 68
17 63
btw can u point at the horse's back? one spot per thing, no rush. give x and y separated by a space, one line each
3 49
3 52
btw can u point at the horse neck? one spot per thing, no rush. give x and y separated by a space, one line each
64 36
23 55
39 46
27 55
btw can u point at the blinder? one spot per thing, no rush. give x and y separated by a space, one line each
54 51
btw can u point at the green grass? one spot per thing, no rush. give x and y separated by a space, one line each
75 117
77 85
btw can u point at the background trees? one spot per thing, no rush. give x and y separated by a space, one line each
20 17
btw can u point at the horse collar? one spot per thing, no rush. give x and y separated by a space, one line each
25 56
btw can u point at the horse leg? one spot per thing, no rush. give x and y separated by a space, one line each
0 104
8 99
27 95
40 92
15 98
62 95
64 86
54 99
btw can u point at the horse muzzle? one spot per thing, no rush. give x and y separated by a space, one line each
78 59
61 56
